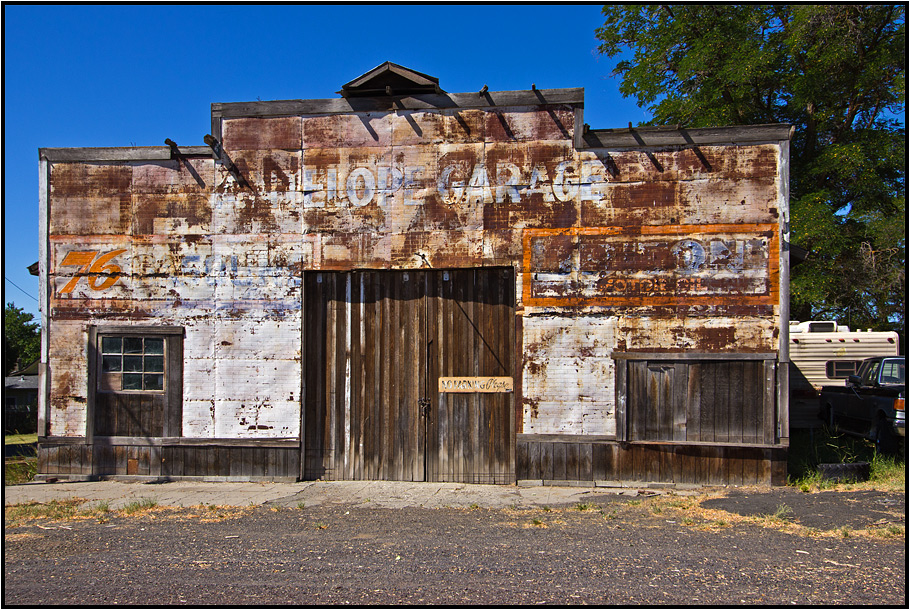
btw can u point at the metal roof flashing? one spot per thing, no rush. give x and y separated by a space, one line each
386 103
673 135
123 154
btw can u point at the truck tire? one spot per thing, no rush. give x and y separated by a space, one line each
882 434
845 472
827 416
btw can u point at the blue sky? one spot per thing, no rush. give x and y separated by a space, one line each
137 74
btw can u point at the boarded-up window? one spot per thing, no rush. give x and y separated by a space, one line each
720 401
137 381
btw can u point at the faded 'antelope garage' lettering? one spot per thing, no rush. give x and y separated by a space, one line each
454 183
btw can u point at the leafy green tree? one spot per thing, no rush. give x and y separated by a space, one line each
21 338
837 73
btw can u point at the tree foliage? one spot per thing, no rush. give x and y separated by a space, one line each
21 338
837 73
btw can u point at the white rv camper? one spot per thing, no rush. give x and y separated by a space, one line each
824 353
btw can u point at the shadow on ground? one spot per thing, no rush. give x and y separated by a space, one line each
21 449
826 510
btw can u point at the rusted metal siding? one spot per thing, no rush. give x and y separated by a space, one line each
666 247
182 256
568 375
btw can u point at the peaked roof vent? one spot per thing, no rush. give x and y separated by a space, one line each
390 79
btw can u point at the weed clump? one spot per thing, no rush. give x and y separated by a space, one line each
139 505
809 448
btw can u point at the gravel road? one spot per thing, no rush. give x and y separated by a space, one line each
615 550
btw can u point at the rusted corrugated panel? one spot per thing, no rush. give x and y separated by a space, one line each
262 133
502 248
706 185
91 199
438 249
530 124
712 333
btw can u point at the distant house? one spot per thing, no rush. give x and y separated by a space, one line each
20 400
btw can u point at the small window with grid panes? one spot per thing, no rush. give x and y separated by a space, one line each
132 364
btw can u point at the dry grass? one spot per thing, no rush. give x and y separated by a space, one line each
690 513
75 509
687 511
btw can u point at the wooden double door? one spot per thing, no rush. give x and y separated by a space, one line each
376 344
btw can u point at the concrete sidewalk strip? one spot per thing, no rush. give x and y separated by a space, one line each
382 494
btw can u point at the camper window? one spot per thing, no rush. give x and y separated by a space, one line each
841 369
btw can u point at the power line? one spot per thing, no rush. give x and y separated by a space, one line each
14 284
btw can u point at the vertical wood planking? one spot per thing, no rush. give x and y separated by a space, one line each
634 399
359 374
664 413
680 395
446 414
572 467
143 416
737 397
769 403
432 421
511 367
706 402
621 395
601 464
394 444
383 342
535 459
367 378
470 361
753 413
722 400
484 464
340 375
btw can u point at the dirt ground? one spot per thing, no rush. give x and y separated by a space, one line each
750 546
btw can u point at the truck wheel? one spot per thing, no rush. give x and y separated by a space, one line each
828 417
882 434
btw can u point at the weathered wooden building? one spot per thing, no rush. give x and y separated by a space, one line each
403 283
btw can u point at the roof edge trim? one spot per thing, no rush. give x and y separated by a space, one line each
131 153
638 137
429 101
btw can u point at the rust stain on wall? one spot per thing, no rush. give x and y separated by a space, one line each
671 248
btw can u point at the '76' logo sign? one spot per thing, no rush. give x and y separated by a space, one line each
100 273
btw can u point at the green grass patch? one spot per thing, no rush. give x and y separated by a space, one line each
20 439
809 448
17 471
781 513
138 505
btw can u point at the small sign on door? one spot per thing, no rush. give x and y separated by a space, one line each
475 384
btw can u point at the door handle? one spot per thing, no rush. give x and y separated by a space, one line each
424 404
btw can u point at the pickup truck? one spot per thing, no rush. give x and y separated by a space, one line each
870 402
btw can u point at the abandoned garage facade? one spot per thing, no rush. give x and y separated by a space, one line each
407 284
